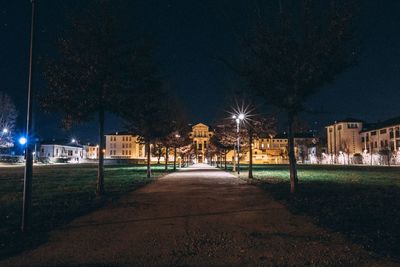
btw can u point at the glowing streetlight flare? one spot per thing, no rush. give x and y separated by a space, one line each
5 131
241 116
22 140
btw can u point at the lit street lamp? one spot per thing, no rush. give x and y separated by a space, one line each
5 131
238 118
177 136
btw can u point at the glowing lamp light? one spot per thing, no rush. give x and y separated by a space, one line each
5 131
234 117
73 140
241 116
22 140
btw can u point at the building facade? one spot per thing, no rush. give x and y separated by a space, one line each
344 137
58 152
378 137
274 149
91 151
200 136
267 150
124 145
371 143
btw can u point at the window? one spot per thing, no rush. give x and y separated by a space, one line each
205 144
373 133
383 131
376 144
382 144
352 125
339 127
362 139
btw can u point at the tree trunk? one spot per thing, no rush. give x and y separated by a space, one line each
159 155
166 158
100 171
225 160
292 158
251 155
175 158
148 158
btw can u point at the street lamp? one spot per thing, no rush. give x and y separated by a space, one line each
27 193
177 136
5 131
238 118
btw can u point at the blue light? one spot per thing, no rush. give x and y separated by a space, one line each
22 140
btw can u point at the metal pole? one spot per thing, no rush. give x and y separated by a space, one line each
238 146
27 194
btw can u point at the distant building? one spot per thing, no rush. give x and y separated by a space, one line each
373 143
91 151
124 145
274 149
200 135
344 136
266 150
57 151
380 136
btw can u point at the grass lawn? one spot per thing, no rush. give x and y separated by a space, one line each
363 203
60 193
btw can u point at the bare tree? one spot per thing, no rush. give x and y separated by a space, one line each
256 127
8 117
290 58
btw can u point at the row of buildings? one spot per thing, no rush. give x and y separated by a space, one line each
126 146
354 141
349 141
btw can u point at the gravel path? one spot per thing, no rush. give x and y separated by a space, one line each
199 216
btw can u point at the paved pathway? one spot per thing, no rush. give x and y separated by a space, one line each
198 216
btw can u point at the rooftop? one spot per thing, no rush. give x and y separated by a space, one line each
378 125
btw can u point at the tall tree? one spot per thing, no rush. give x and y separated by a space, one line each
145 106
292 57
258 126
8 117
224 138
84 78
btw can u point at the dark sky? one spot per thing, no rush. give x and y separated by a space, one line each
189 34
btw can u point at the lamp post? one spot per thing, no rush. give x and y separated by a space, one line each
27 194
177 136
238 118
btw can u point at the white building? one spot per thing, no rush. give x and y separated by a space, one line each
124 145
58 152
372 143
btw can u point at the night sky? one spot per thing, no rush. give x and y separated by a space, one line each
190 34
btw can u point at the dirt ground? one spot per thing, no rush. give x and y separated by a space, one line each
199 216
